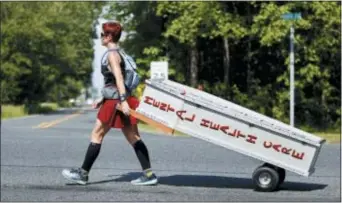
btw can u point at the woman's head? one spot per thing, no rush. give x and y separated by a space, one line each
111 32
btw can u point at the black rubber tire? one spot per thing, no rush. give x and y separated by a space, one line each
282 175
267 165
273 175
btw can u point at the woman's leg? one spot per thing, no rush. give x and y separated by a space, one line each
131 133
99 131
80 175
133 137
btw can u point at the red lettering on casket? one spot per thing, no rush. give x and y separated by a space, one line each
169 108
297 155
214 126
155 103
163 106
148 100
285 150
180 113
224 129
192 118
205 122
267 144
239 134
276 147
233 134
251 138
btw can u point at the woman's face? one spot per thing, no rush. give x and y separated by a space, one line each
105 39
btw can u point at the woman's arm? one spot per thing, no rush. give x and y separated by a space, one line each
114 61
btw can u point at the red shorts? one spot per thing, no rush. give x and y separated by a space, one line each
115 118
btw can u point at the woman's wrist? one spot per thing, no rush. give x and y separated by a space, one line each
100 100
123 97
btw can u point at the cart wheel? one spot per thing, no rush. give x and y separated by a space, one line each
265 179
282 175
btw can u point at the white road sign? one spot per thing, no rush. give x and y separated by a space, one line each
159 70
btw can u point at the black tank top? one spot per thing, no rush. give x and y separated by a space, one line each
109 78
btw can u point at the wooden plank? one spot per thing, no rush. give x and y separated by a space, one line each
149 121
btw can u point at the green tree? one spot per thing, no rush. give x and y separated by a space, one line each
240 52
317 58
46 49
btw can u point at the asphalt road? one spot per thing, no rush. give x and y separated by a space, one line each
189 169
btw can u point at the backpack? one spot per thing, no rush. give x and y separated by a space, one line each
131 76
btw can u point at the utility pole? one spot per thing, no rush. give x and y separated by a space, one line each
292 16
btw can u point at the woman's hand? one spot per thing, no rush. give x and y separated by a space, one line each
125 108
97 104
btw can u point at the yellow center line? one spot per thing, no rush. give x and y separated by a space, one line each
55 122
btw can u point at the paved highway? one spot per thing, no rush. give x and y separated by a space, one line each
35 149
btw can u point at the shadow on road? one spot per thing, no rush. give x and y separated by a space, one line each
215 182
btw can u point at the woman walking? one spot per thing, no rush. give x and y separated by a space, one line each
112 68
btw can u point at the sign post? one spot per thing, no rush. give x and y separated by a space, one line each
292 16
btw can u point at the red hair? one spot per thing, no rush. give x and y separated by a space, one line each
112 28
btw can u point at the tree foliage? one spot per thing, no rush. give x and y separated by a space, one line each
240 51
46 50
237 50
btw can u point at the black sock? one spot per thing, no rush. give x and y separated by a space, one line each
91 155
142 154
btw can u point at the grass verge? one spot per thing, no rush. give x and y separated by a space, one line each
329 137
14 111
